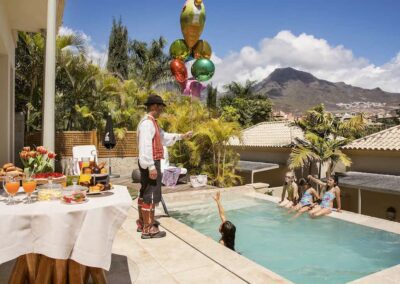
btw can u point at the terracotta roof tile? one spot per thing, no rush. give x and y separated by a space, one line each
269 134
388 139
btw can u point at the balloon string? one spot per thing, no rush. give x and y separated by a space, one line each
191 109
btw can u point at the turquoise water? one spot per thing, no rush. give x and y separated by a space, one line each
303 250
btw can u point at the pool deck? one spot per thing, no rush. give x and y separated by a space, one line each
187 256
175 260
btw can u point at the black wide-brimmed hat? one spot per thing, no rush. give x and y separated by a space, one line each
154 100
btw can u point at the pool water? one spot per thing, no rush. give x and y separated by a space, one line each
303 250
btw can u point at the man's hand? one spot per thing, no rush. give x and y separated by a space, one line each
187 135
153 174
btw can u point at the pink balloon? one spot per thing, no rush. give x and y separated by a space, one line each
193 88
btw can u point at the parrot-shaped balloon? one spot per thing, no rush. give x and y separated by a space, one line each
193 19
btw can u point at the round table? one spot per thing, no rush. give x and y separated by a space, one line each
60 243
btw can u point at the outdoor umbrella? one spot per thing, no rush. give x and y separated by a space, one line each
109 141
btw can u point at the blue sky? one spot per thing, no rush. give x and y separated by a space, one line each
369 29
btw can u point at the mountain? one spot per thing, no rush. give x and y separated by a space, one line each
295 91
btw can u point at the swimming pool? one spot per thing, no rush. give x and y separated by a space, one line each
302 250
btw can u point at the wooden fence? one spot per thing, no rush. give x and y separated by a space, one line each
126 147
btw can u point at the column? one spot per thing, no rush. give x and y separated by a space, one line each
50 77
5 110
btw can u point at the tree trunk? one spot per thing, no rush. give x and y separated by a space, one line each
320 169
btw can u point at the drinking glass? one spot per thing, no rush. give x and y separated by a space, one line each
85 163
12 186
29 186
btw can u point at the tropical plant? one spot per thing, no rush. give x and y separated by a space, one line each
148 64
213 136
124 101
212 97
30 70
117 63
208 151
315 149
324 136
76 95
252 108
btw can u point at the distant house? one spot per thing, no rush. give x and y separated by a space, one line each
372 184
270 143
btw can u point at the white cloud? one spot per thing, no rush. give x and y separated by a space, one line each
98 55
310 54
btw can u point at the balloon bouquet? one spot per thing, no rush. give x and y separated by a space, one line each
193 18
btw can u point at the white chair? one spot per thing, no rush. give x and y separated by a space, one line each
164 164
79 152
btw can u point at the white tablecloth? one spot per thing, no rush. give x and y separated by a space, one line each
83 232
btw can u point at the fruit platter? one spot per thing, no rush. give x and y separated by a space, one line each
43 178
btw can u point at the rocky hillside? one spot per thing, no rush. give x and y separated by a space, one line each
295 91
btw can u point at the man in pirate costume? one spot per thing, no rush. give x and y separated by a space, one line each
151 141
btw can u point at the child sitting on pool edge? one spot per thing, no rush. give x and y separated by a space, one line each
307 200
332 191
227 229
289 187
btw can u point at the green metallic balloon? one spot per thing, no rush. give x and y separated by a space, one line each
202 49
203 69
179 50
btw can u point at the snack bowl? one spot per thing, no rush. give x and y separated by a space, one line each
74 194
49 192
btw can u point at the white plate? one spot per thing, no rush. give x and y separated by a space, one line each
94 193
99 175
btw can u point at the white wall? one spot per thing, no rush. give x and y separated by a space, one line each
7 60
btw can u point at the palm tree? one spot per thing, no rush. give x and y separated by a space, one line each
242 102
324 136
208 152
149 64
30 69
241 90
213 136
315 149
76 92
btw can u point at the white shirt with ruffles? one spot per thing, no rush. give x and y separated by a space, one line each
145 133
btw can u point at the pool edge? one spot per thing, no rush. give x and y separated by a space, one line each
248 190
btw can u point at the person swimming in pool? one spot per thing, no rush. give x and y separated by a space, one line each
332 191
307 200
227 229
289 187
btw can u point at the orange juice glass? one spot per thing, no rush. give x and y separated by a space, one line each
11 187
29 187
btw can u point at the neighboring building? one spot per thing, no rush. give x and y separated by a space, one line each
282 116
372 184
29 16
270 143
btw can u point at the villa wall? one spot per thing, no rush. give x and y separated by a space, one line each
373 203
380 162
276 155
